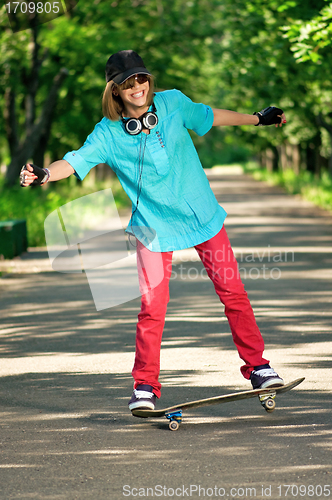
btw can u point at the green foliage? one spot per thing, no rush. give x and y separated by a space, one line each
310 187
35 204
310 39
221 147
235 54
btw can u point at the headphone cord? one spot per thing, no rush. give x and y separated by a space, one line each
142 147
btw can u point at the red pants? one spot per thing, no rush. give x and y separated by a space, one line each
221 266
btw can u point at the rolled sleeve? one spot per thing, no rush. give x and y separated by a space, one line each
79 164
197 116
90 154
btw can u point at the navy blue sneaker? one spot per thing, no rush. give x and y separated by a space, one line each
143 398
264 376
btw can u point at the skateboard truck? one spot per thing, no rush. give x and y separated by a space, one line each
268 401
175 419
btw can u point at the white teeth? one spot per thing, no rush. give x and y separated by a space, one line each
139 94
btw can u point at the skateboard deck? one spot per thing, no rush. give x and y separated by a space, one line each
174 413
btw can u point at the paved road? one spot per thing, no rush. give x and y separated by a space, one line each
65 368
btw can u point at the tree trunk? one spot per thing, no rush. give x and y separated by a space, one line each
275 160
37 129
296 158
10 120
37 132
312 154
282 157
269 159
323 123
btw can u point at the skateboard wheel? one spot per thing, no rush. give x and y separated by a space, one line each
173 425
269 405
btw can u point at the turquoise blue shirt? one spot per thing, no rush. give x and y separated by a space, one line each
176 202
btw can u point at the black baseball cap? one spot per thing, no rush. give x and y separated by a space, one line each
123 65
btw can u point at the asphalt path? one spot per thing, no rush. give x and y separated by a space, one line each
66 432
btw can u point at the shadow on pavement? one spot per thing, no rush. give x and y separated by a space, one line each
66 431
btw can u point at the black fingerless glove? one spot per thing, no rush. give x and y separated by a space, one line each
269 116
43 175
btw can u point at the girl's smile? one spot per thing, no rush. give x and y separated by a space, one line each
134 99
137 95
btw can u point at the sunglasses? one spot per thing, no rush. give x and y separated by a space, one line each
130 83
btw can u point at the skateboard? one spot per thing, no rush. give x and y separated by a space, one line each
174 413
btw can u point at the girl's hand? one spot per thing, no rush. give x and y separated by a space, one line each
283 120
33 175
270 116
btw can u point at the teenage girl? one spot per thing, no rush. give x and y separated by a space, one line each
144 138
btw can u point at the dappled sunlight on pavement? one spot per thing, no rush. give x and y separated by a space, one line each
65 369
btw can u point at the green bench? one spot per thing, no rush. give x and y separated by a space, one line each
13 238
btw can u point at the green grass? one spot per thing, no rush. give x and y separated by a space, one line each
306 184
35 204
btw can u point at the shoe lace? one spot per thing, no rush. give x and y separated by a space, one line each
143 394
266 372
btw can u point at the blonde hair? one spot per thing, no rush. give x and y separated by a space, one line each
112 105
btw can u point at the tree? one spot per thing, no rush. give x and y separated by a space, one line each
311 44
54 72
236 54
26 74
257 64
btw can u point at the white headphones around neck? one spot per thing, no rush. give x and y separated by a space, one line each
148 120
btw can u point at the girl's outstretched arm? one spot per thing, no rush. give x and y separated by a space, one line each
268 116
